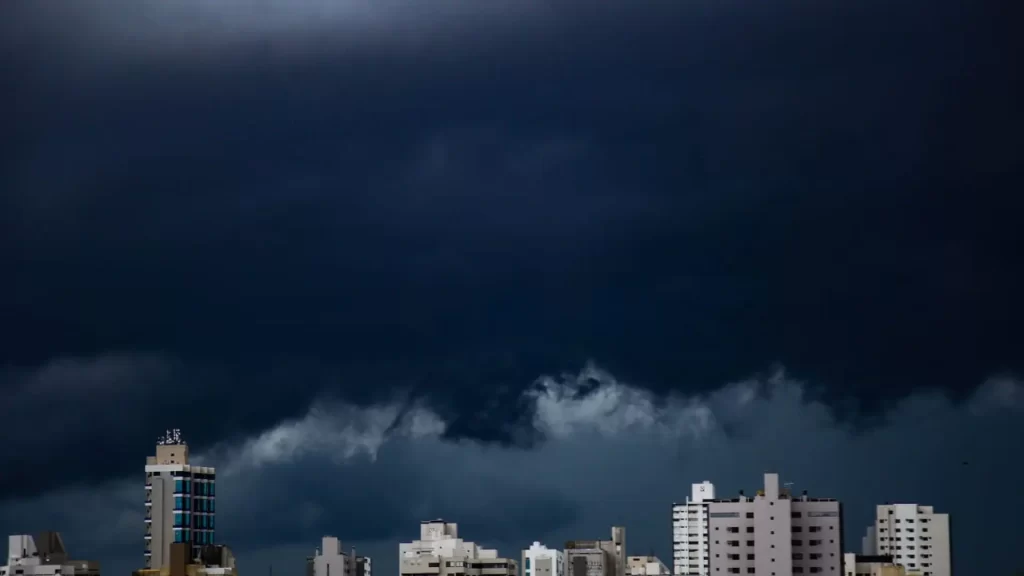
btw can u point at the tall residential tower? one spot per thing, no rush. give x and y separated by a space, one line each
180 501
690 532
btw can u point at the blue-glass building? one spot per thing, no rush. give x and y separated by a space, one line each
181 501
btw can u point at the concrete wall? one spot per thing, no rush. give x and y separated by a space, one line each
161 519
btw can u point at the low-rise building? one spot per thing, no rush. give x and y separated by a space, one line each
539 560
646 566
440 552
212 560
597 557
331 560
43 555
863 565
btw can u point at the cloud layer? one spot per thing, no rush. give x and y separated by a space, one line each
201 29
612 453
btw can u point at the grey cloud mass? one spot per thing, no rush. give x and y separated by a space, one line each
613 454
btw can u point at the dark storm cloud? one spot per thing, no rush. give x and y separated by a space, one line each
616 454
75 408
688 194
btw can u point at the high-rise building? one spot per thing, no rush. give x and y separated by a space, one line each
331 560
646 566
539 560
180 502
775 533
43 555
597 557
915 536
690 532
440 552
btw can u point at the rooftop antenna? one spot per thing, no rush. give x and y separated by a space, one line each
171 437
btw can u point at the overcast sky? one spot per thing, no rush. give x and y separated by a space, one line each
533 267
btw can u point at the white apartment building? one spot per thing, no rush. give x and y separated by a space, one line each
915 536
440 552
180 502
690 532
646 566
539 560
43 555
775 533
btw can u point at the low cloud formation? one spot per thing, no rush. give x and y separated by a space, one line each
612 453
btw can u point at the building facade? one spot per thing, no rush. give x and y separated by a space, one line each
331 560
775 534
181 502
43 555
597 557
539 560
212 560
364 566
862 565
915 536
690 532
646 566
440 552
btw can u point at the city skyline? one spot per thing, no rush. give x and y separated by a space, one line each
696 525
532 266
